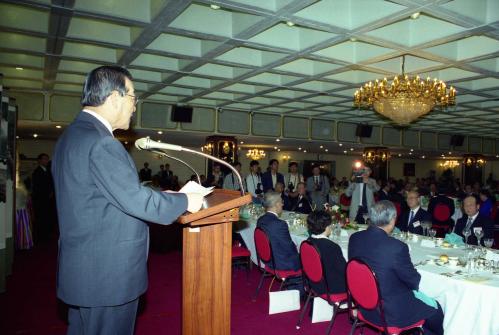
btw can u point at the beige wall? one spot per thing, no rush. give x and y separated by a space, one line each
31 148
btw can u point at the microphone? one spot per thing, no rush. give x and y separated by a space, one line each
146 143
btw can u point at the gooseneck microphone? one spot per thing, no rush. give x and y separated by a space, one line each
146 143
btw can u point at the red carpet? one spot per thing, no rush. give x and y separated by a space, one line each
30 306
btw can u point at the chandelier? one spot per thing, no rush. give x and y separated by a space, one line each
255 154
474 160
375 155
406 98
449 164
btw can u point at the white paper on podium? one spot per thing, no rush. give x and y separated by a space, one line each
193 187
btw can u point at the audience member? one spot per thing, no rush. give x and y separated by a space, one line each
486 203
145 173
292 179
473 220
283 249
411 219
319 225
397 278
254 182
317 188
272 176
301 203
42 196
279 188
362 190
231 182
216 178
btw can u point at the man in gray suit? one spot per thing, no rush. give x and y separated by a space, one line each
361 189
317 188
103 245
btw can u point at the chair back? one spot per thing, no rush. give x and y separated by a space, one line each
311 262
262 246
441 212
362 284
344 200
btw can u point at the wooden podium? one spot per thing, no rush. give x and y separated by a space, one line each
207 264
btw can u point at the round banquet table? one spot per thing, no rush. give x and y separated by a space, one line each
470 302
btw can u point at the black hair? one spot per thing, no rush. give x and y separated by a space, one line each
292 163
253 163
318 221
272 161
40 156
485 193
236 163
101 82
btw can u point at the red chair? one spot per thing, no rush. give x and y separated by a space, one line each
265 258
441 217
363 289
314 272
241 256
398 207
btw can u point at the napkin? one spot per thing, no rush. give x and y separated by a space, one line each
454 238
396 231
344 233
426 299
427 244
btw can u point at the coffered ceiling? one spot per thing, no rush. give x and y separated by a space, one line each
293 57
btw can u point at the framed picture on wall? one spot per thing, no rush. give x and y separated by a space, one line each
409 169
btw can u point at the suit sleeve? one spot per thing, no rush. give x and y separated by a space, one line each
350 189
116 178
405 270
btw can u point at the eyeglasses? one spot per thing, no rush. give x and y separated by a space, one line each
135 98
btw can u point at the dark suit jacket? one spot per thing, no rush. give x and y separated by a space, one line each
267 181
404 225
284 250
42 185
383 196
484 222
390 260
300 206
441 198
334 266
145 174
103 244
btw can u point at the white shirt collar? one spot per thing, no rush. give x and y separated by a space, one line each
473 218
273 213
101 119
43 168
415 210
319 236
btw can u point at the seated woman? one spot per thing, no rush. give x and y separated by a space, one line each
319 225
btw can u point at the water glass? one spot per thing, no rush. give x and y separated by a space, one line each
466 234
432 233
479 234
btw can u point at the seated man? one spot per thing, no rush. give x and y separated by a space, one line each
473 220
300 204
411 219
397 278
319 225
283 249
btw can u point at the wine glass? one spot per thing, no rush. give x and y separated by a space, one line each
365 216
426 225
488 242
337 231
479 234
466 234
432 233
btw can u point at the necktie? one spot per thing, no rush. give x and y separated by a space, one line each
364 195
469 223
411 216
316 180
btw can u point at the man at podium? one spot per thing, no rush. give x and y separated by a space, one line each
102 207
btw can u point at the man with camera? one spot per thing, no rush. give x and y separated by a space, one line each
254 183
293 179
361 189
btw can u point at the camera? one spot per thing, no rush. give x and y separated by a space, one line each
358 175
258 189
291 187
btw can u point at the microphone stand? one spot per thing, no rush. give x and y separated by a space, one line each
161 153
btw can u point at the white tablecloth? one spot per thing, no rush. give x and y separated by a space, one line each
470 308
